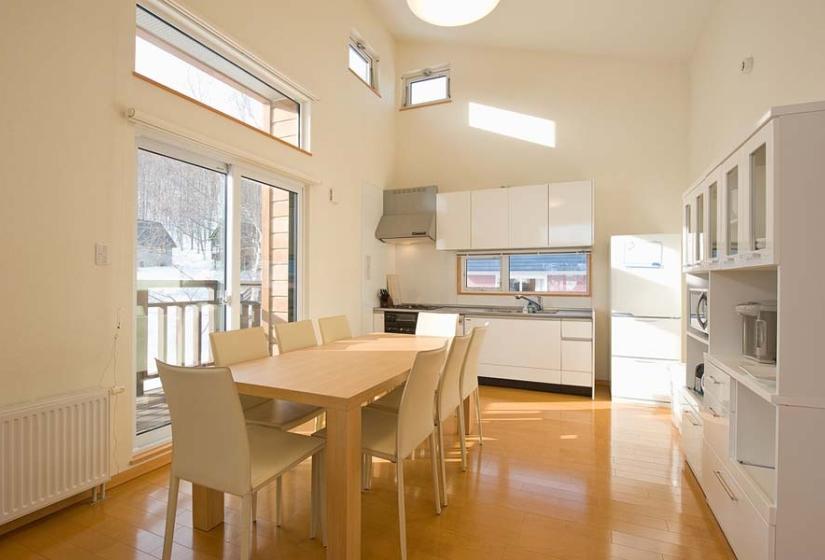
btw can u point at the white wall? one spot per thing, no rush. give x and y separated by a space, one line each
619 122
68 174
786 40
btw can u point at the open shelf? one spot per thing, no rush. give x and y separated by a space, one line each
697 337
736 367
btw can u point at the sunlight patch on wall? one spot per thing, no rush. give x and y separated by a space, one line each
515 125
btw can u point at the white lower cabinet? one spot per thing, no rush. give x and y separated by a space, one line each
378 322
577 362
748 534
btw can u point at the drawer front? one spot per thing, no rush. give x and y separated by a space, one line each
692 440
639 379
643 337
577 378
577 355
582 330
747 533
716 384
716 423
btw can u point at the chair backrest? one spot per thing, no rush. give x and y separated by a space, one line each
449 386
334 328
469 374
233 347
436 324
209 437
294 336
417 408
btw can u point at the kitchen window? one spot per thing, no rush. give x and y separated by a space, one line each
199 66
363 63
427 87
556 273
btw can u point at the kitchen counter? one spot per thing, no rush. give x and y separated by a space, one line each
510 312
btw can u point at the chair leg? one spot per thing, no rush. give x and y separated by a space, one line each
322 496
462 437
478 417
246 527
254 507
434 463
443 460
171 511
402 517
278 491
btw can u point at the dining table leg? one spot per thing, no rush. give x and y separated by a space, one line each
343 479
207 508
467 411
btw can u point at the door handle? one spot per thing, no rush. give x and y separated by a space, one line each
725 486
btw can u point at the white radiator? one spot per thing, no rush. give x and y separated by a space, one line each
51 450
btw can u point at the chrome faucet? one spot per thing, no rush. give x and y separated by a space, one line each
533 305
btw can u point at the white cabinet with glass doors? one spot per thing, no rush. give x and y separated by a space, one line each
728 217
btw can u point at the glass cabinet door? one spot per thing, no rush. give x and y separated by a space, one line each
700 228
732 211
713 220
758 238
687 235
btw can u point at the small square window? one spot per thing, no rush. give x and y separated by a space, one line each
427 87
360 63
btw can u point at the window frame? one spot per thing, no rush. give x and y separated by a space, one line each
211 38
504 288
424 75
368 54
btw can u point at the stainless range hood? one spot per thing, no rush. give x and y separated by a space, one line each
409 216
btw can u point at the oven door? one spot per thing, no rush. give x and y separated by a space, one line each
402 322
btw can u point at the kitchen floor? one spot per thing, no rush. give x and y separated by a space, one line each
558 478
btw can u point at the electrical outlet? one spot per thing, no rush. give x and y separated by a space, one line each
101 254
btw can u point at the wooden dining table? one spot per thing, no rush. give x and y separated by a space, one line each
341 377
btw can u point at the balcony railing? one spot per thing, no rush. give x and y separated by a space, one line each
174 319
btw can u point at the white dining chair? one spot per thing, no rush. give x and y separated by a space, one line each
214 447
243 345
295 336
436 324
469 386
448 404
334 328
394 436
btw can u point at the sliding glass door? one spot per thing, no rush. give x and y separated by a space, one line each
206 230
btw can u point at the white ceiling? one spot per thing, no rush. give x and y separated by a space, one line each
660 29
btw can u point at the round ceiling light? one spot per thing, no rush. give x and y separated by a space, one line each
451 13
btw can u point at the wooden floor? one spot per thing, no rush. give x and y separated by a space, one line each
558 477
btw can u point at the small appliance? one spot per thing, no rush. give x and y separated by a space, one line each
401 322
758 331
698 375
698 305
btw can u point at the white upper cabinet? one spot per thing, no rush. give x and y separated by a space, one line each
453 221
557 215
570 214
490 219
528 216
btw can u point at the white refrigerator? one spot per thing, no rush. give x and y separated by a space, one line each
645 309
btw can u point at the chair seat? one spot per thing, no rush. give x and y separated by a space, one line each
281 414
274 451
378 432
391 401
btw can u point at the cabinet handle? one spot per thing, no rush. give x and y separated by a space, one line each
690 419
715 381
713 412
725 486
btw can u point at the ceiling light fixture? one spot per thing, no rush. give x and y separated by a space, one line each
451 13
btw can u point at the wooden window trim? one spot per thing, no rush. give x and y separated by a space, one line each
462 291
427 104
185 97
369 87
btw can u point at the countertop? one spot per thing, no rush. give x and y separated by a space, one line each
510 312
